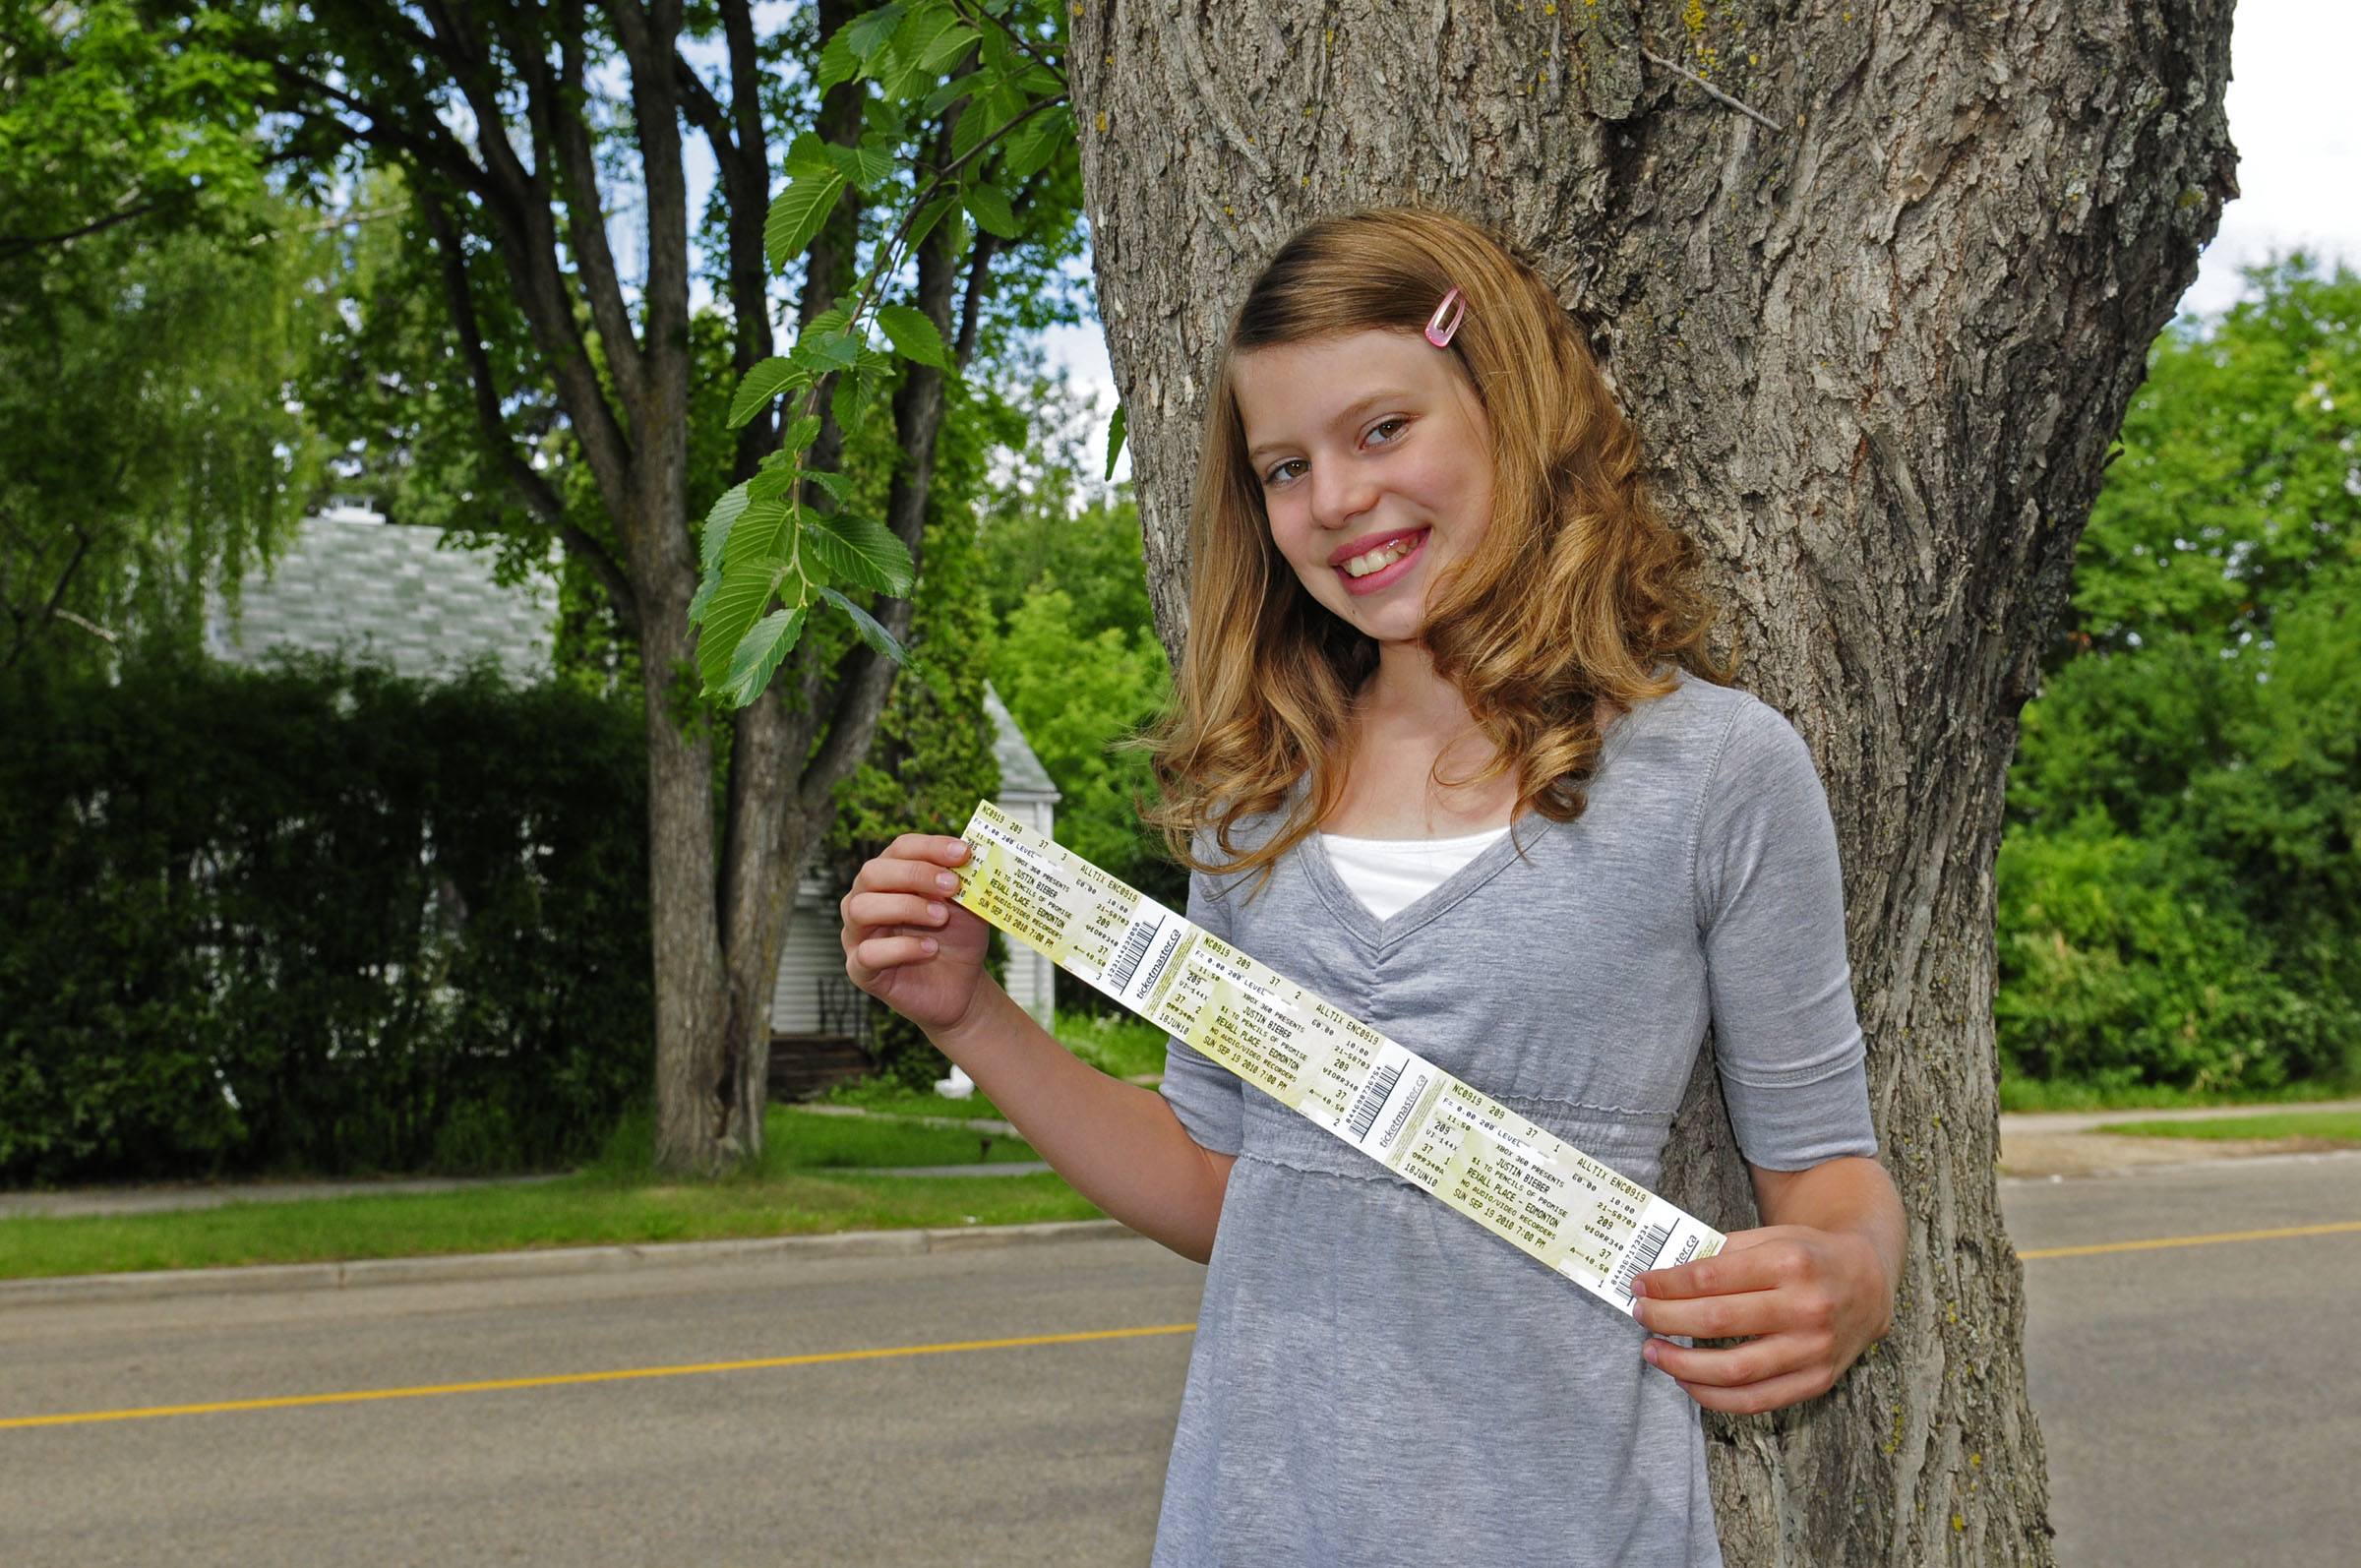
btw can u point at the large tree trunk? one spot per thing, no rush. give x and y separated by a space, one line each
1878 354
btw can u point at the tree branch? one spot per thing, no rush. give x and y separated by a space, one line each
1017 38
648 34
540 497
560 106
13 246
53 609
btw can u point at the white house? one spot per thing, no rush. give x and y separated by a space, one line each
352 583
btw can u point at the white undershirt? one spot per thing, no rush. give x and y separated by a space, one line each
1389 874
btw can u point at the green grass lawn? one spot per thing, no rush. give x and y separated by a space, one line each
2330 1126
1126 1048
810 1179
2034 1094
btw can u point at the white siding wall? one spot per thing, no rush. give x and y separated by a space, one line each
813 951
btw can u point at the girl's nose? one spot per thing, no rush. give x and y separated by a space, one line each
1338 495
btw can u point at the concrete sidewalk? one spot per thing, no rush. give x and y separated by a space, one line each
162 1197
2062 1143
2048 1145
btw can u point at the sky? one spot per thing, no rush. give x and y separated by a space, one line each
2292 119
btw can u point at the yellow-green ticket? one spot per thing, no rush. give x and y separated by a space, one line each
1510 1176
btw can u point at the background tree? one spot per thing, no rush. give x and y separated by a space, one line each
524 134
1877 301
2179 884
154 295
1073 652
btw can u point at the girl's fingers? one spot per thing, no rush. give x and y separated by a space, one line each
887 874
895 909
938 847
1755 1397
1737 1366
1711 1317
891 952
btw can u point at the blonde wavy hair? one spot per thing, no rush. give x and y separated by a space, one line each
1576 591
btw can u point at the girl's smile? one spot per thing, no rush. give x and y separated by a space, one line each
1379 560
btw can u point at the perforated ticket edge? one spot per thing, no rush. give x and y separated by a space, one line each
1574 1214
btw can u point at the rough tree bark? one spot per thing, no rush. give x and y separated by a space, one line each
1878 347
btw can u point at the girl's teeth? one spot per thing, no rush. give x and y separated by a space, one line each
1380 558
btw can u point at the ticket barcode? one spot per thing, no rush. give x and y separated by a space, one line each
1372 1100
1135 948
1646 1248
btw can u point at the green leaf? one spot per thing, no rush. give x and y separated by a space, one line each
861 550
928 217
839 486
952 91
823 349
763 534
763 383
847 402
726 512
838 61
911 44
834 318
704 598
914 336
806 154
746 589
872 31
862 168
797 213
1115 439
990 204
776 479
757 656
985 116
1033 145
947 49
867 626
801 433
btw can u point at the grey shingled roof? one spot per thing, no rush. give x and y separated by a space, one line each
350 580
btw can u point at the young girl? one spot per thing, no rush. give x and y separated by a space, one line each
1447 750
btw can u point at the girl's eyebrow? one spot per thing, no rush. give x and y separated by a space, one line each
1344 415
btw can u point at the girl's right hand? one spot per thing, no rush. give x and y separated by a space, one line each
905 942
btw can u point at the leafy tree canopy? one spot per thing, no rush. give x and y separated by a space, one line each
2180 889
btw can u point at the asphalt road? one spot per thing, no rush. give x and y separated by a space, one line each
2198 1402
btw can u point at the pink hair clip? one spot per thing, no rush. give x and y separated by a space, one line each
1438 331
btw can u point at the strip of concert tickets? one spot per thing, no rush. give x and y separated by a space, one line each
1507 1174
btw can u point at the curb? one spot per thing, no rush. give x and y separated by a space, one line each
541 1263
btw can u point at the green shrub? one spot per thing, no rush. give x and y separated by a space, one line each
316 918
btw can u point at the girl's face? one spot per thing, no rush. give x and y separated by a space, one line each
1375 464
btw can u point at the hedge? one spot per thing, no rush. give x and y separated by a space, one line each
314 918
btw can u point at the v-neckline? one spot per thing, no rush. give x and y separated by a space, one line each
1363 922
1523 833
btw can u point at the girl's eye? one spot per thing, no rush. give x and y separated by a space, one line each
1278 475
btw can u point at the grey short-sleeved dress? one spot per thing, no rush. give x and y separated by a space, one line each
1376 1379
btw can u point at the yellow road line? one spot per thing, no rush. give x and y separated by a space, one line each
558 1380
2340 1228
892 1352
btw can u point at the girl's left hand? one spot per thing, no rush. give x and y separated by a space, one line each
1809 1301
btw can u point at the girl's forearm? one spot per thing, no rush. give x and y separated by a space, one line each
1120 1145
